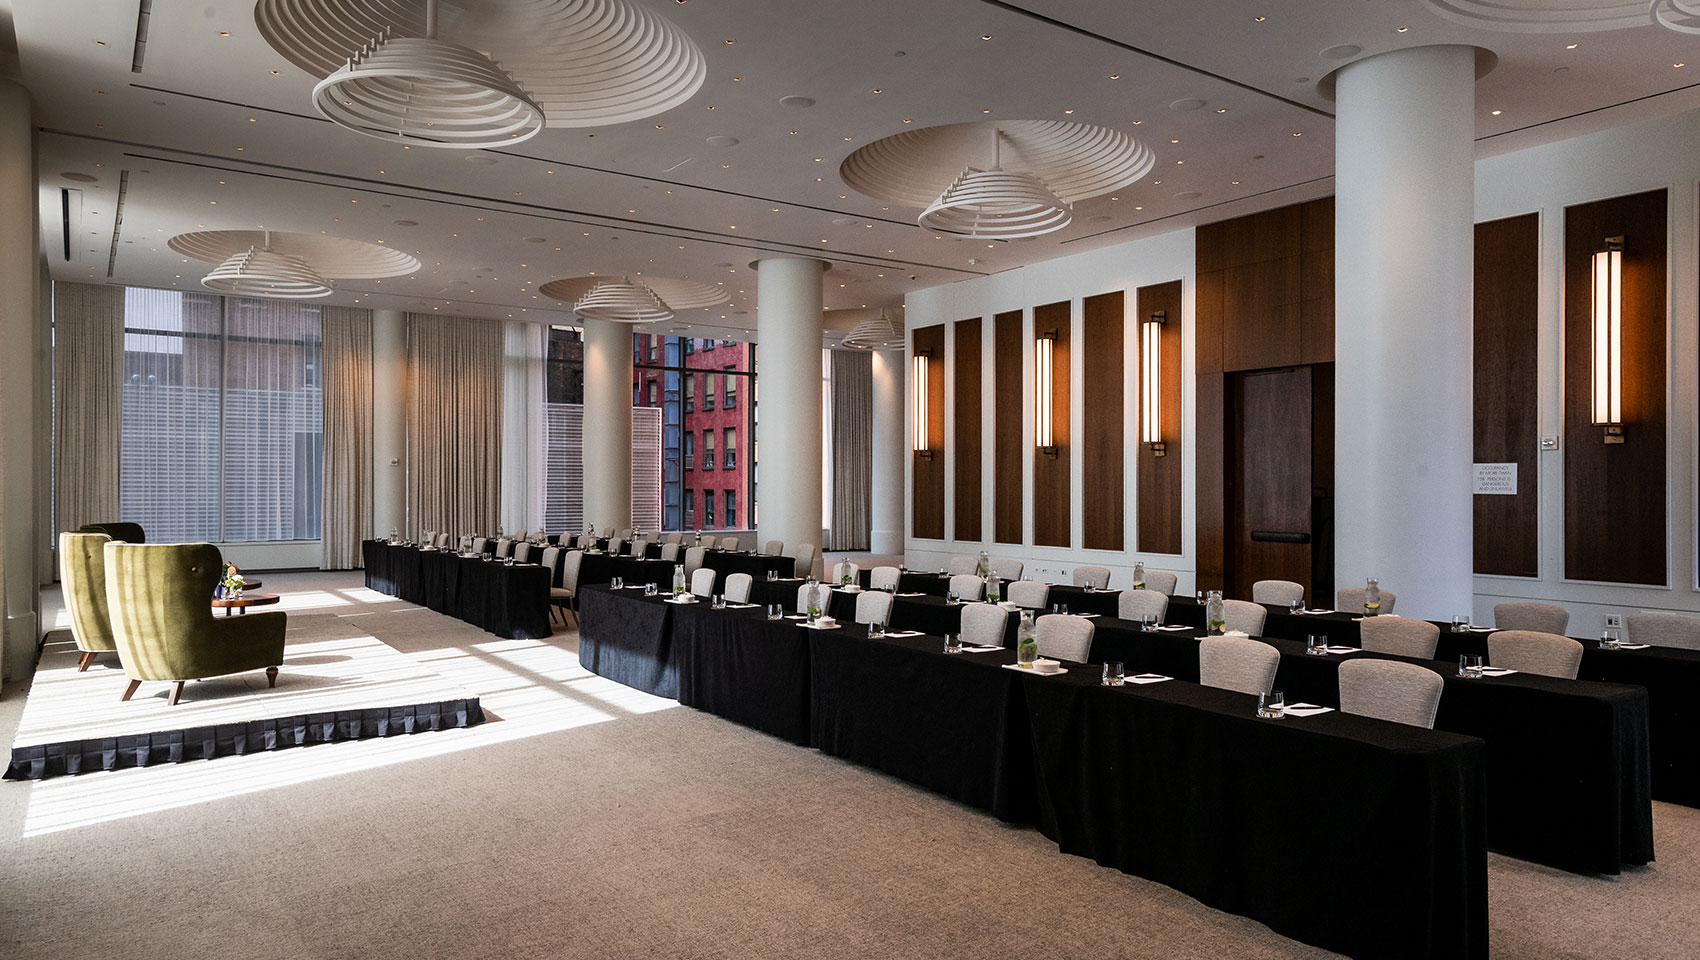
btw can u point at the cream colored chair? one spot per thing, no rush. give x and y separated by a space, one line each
983 625
1531 651
805 558
1278 592
1237 663
1137 604
1390 690
693 560
1098 578
884 578
966 587
738 587
1031 594
1536 617
1401 636
1244 616
873 606
1161 581
1351 600
1063 636
702 582
1664 630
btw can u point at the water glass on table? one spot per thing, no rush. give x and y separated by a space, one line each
953 643
776 611
1296 607
1316 646
1470 666
1460 622
617 583
876 630
1610 639
1115 674
1271 705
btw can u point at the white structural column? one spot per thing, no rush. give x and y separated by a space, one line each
525 435
1403 276
20 331
389 423
886 535
607 423
788 318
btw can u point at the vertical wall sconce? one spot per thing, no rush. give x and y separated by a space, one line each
1151 425
1044 375
918 404
1607 331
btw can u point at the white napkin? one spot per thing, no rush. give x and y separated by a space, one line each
1633 646
1315 612
740 606
915 594
1497 671
981 649
1306 709
1174 626
1236 633
1144 678
823 626
1344 649
903 633
1088 616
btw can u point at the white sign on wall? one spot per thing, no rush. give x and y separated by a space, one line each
1496 478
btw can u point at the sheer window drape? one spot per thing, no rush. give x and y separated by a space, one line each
454 423
346 514
852 449
88 404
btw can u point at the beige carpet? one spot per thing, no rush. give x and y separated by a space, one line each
592 821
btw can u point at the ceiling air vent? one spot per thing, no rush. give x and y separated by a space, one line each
144 10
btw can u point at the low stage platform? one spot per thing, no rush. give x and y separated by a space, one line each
329 688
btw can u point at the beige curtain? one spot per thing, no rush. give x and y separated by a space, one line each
88 407
852 449
346 514
454 423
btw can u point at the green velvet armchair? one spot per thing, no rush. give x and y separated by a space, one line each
117 530
82 575
160 596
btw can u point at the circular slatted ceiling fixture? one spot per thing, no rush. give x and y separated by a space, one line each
628 299
1005 179
269 263
470 73
1570 16
875 333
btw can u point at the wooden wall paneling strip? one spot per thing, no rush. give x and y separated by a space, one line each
928 494
1103 506
966 447
1614 494
1158 479
1316 281
1051 474
1007 480
1506 345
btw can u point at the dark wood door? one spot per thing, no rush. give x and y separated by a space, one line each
1270 471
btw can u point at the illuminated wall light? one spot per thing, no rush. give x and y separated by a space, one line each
1607 331
1044 375
918 404
1151 422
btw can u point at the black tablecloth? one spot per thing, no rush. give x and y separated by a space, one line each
598 568
1354 834
726 563
951 723
628 638
507 600
738 665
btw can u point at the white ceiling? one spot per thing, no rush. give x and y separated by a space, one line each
222 118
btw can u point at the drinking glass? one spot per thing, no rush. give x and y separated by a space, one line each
775 611
649 590
1459 622
1610 639
953 643
1065 608
717 602
1271 705
1148 622
1114 674
772 574
1315 645
1470 665
1198 595
876 630
950 599
618 583
1296 607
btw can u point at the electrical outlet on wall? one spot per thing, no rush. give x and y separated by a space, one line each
1613 620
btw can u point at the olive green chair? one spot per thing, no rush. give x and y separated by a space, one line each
117 530
82 576
160 596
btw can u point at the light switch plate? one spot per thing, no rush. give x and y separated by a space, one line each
1549 443
1613 620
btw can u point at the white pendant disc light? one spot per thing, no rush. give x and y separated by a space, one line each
264 273
623 301
875 333
997 203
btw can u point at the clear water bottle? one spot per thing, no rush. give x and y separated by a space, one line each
678 579
1372 597
984 566
1139 576
1026 644
1215 614
993 591
811 599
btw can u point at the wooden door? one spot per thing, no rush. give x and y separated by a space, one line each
1271 469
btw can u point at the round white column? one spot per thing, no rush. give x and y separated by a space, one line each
788 318
1403 279
20 369
607 424
389 425
886 533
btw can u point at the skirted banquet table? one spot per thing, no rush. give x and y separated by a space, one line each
1350 833
509 600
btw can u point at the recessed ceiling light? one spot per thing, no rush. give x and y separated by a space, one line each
1068 111
907 120
985 111
737 79
1174 141
1234 182
1221 109
253 120
1297 134
1115 76
276 72
1138 122
730 42
1679 64
817 159
1403 29
224 33
878 90
985 36
1570 46
1498 112
1260 19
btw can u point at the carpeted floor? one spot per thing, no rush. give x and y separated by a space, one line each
593 821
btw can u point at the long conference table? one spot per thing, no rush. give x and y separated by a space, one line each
509 600
1350 833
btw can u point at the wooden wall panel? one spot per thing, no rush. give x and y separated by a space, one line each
927 500
1007 481
1101 390
1260 312
1507 390
966 448
1316 281
1158 493
1614 494
1208 312
1051 475
1212 526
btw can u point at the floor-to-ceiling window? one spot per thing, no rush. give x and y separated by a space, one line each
706 394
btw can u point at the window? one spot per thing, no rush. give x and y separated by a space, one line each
708 391
708 344
690 392
690 346
731 448
563 370
690 451
654 393
690 503
654 349
708 509
731 388
222 434
731 508
707 451
687 408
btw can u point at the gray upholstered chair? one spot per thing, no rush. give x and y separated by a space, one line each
429 536
962 564
1279 592
1244 616
617 545
694 558
737 589
670 552
523 551
607 532
625 533
1161 581
805 560
504 548
843 567
966 586
983 625
702 582
82 575
1390 690
1664 630
1063 636
640 548
821 594
1532 651
1351 600
1095 577
479 545
1006 569
1527 615
673 538
1237 663
873 606
730 543
565 595
1401 636
1137 604
884 578
774 548
1032 594
442 541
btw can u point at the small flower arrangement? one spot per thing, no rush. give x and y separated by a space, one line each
230 586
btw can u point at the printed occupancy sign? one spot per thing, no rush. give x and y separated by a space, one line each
1496 478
